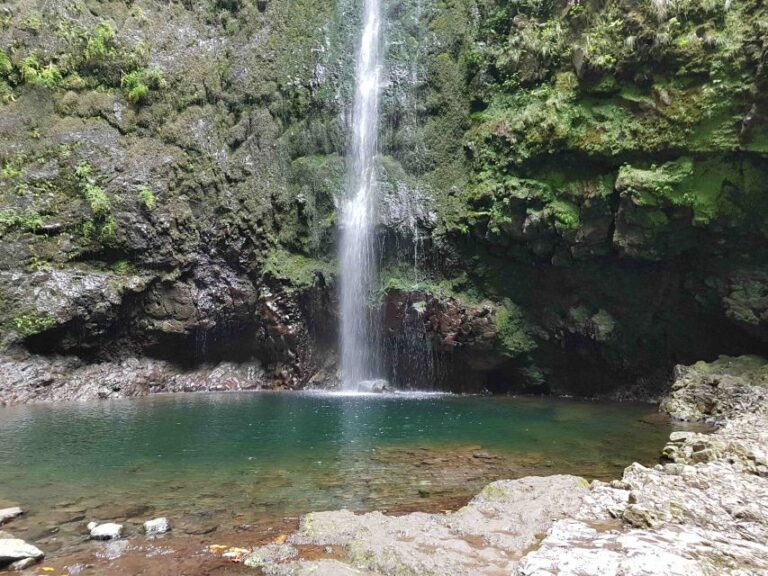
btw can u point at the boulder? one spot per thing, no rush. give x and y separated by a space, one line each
14 550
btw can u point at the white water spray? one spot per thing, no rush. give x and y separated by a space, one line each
358 260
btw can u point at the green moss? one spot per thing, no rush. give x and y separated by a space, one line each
13 168
654 185
713 188
33 72
565 213
31 324
123 268
101 229
514 335
299 270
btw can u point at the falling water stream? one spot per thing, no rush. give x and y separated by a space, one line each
358 261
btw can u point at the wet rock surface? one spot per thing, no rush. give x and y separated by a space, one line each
171 172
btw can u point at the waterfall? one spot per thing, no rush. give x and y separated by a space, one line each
357 252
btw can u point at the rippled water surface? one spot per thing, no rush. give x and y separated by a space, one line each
211 459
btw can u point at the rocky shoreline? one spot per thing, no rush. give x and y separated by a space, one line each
704 511
27 378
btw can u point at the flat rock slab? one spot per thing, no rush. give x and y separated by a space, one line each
485 538
7 514
14 549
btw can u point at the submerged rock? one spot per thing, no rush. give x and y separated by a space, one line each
157 526
107 531
15 550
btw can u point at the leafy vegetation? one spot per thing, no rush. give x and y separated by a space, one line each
147 197
31 324
139 84
102 228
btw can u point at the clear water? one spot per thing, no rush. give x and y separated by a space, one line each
272 454
357 258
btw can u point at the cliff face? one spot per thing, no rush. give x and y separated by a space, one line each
573 194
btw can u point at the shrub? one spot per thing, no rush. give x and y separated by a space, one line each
97 199
32 72
102 42
147 197
138 84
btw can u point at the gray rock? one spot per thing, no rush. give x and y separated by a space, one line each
20 565
107 531
34 378
13 549
7 514
702 514
480 539
157 526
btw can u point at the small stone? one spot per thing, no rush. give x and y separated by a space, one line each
108 531
679 436
157 526
7 514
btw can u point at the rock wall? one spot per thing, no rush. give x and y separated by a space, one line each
573 194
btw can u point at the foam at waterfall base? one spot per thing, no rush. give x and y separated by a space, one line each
379 388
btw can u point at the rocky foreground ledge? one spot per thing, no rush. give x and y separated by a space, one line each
27 378
703 512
